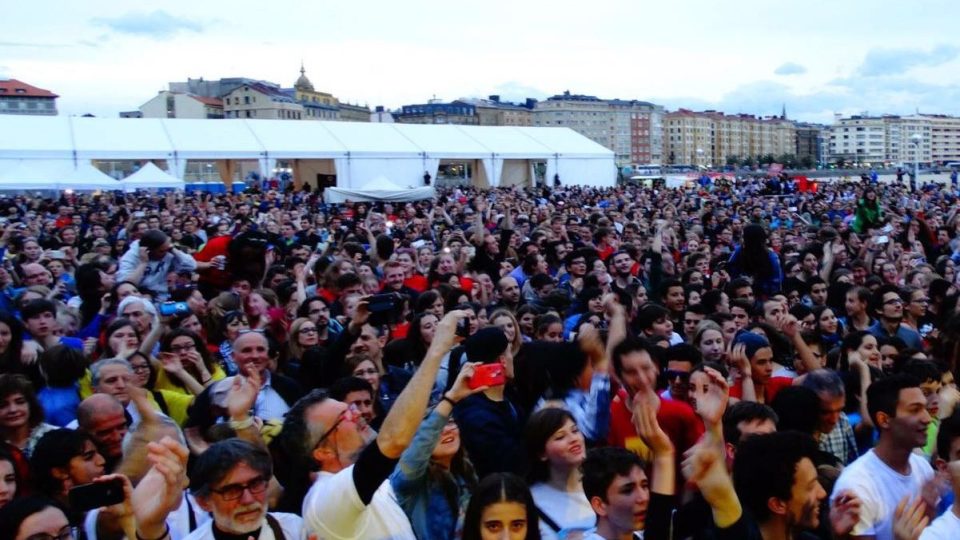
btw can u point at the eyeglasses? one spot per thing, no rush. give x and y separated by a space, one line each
308 331
893 302
350 412
673 374
65 533
140 368
182 348
233 492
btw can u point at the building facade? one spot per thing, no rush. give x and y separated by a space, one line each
894 140
712 138
632 129
17 97
495 112
437 112
810 138
260 101
167 104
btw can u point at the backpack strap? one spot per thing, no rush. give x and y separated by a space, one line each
548 520
275 527
161 402
191 515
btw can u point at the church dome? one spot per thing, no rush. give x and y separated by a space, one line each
303 83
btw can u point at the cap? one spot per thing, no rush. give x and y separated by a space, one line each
754 342
486 345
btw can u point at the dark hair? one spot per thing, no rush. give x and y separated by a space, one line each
292 449
744 411
948 431
35 308
153 239
681 352
116 324
541 426
198 344
10 359
923 370
5 455
17 511
62 365
603 465
565 367
627 346
14 383
649 314
753 257
884 394
496 488
213 465
426 300
824 381
54 450
711 299
345 385
797 407
877 300
766 466
88 283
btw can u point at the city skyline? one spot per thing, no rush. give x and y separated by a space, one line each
817 57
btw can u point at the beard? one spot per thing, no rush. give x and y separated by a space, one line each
248 524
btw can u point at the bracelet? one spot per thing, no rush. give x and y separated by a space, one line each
448 400
242 424
166 532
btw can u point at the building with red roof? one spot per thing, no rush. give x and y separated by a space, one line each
18 97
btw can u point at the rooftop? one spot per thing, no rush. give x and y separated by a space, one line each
13 87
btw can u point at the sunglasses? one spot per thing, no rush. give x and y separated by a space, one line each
673 374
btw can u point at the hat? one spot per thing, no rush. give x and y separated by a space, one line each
754 342
486 345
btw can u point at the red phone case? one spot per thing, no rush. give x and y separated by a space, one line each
487 375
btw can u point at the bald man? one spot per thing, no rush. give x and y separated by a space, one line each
36 274
104 419
252 352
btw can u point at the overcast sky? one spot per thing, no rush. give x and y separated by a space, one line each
817 56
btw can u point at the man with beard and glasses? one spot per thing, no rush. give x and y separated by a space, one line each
230 481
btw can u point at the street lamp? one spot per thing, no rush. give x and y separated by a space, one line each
916 139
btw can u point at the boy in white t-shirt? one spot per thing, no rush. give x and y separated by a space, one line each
890 471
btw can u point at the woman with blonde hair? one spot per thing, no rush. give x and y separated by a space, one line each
503 319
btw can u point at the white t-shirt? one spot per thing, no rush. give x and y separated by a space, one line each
945 527
290 524
333 510
880 489
571 511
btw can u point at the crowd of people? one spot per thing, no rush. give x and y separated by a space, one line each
722 360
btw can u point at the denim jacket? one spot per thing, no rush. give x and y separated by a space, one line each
420 496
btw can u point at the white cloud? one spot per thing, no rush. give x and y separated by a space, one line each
790 68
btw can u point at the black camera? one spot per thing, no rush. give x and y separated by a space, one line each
385 308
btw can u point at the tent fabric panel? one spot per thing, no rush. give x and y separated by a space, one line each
443 141
584 172
213 139
407 173
286 139
35 137
120 138
566 142
382 140
507 142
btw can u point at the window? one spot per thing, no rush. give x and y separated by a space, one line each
246 100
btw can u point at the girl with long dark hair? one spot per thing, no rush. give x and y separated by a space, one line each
755 260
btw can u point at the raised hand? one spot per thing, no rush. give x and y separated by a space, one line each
445 335
909 519
171 363
844 513
713 404
242 394
461 387
161 489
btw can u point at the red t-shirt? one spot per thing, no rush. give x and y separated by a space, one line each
214 247
677 419
774 385
416 282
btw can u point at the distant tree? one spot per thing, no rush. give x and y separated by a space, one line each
733 161
806 162
748 161
767 159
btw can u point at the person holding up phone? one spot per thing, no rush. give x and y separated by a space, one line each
491 422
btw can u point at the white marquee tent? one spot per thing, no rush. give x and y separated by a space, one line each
378 189
151 177
55 175
359 152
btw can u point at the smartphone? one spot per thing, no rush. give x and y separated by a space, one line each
883 239
463 328
174 308
488 375
95 495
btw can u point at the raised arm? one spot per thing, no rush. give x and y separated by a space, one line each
407 411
